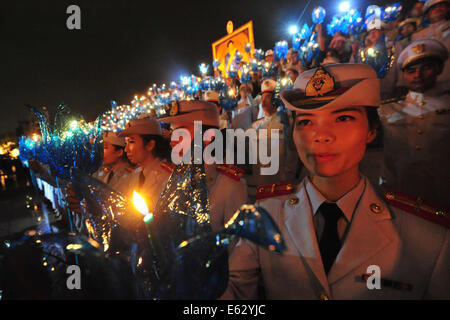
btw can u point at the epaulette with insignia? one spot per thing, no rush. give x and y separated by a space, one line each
418 207
231 171
274 190
106 169
395 99
167 166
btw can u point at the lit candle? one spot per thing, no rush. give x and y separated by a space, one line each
152 233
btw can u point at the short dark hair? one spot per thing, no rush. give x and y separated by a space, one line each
124 155
162 148
292 70
334 52
373 118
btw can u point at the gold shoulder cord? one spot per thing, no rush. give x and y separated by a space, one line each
417 205
386 101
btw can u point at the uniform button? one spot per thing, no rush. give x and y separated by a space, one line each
376 208
293 201
419 147
421 117
419 131
323 296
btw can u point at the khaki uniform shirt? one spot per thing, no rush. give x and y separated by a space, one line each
225 195
154 179
119 180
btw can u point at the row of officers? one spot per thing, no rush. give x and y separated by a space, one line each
336 219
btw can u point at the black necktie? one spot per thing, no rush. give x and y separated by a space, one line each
329 243
141 180
111 174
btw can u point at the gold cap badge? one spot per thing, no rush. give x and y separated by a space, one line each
420 48
320 83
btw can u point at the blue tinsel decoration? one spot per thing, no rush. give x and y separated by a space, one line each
318 15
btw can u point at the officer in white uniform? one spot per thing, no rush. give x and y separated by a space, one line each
149 150
281 120
437 12
417 128
272 119
226 190
116 169
293 60
393 82
247 110
337 230
213 96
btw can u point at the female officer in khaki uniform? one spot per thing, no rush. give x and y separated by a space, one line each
336 228
116 168
226 190
147 148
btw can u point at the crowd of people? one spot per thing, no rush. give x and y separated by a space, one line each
335 221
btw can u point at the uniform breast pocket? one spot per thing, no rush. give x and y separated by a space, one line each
442 118
398 119
372 287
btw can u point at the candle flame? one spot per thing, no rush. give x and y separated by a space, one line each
74 124
139 203
35 137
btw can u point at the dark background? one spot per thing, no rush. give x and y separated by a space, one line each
123 47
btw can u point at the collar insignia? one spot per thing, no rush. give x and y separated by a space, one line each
420 48
175 108
320 83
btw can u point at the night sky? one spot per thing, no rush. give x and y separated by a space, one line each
122 48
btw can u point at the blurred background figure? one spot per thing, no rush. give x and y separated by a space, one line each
331 57
224 116
275 117
292 72
437 13
393 84
247 109
417 128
